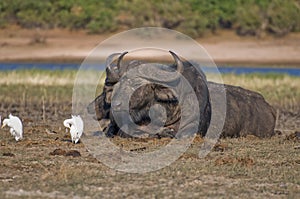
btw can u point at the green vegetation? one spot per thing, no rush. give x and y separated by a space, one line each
193 17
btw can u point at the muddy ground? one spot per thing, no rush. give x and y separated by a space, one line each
47 165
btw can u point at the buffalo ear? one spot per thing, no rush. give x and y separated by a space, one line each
164 94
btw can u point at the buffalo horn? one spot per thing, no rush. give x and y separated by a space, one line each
120 59
178 62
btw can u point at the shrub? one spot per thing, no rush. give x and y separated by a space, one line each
283 17
193 17
250 19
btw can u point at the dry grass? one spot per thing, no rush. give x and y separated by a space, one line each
282 91
41 77
37 77
237 168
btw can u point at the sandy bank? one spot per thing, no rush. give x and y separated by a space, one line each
66 46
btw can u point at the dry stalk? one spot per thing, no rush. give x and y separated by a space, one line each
44 111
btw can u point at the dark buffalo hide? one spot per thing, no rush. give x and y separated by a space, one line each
247 112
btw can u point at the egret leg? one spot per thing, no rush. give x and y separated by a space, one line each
12 132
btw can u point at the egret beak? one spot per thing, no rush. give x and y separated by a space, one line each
3 125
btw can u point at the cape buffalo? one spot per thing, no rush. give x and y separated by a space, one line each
247 112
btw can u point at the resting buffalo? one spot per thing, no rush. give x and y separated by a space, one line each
246 112
150 94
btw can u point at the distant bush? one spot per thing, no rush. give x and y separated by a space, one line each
250 20
283 17
277 17
193 17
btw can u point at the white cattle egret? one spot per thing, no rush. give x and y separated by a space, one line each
75 124
16 127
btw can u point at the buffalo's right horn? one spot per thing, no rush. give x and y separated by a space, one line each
178 62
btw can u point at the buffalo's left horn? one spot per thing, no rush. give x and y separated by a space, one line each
178 62
120 59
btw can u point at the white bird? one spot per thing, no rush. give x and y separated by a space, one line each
75 124
16 127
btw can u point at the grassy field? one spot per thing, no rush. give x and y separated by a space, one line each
244 167
281 90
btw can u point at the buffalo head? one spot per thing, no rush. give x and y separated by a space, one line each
148 95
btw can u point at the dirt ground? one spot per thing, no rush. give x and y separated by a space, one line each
224 47
47 165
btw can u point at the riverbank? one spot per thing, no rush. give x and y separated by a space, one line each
19 45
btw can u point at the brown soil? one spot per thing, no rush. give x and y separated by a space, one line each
224 47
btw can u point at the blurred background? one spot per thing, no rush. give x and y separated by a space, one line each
233 31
